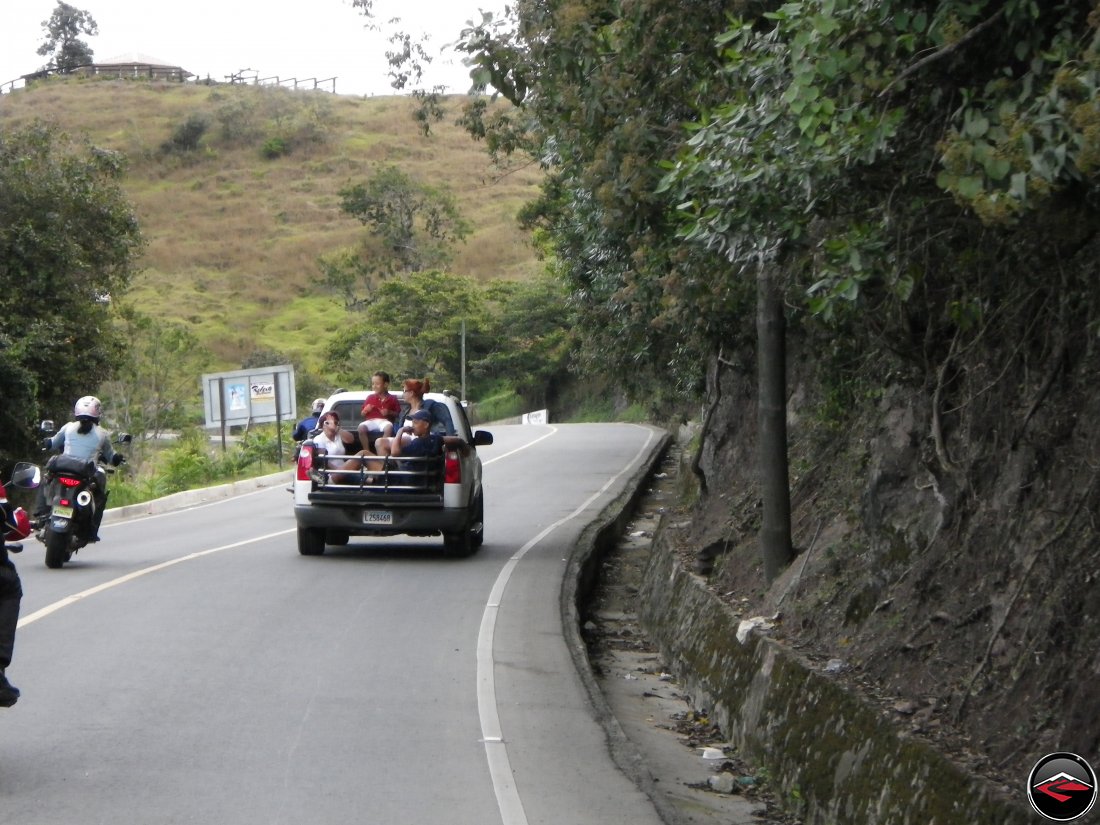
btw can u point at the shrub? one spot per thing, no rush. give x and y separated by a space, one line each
274 147
186 137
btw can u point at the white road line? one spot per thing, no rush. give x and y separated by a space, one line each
496 747
99 588
524 447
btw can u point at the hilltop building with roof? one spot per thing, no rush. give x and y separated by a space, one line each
133 65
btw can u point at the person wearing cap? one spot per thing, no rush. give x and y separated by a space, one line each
422 441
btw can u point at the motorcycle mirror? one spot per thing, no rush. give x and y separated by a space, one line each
26 475
47 427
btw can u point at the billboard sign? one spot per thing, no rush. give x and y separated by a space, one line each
253 396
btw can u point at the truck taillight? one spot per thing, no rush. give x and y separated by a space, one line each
305 462
452 469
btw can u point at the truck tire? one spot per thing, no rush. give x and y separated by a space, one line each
57 549
311 541
337 538
478 526
458 545
469 538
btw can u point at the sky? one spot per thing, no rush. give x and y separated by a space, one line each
279 38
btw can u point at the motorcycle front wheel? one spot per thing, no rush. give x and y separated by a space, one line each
57 549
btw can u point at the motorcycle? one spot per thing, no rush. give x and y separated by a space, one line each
26 476
71 498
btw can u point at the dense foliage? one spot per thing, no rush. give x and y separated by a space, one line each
602 90
516 335
68 241
875 154
155 376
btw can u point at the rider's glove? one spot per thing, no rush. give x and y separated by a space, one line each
117 458
47 443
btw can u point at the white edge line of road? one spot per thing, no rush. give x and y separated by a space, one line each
99 588
496 749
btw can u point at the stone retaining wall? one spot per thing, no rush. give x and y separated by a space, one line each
837 759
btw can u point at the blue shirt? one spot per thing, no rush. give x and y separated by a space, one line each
441 417
301 432
425 445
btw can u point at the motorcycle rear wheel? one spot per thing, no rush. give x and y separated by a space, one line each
57 549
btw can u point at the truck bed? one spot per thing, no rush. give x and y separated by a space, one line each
401 480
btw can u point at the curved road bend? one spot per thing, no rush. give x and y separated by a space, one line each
193 668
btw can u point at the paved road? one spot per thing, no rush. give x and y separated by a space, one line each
193 668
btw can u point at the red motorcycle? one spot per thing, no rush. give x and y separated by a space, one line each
18 526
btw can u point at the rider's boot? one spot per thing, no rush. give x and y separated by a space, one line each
9 693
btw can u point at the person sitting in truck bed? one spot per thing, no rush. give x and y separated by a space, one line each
335 441
380 411
421 440
440 420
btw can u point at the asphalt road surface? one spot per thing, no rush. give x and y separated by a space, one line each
194 668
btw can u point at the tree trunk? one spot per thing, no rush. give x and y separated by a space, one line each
771 361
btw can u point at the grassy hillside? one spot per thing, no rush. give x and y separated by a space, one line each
234 236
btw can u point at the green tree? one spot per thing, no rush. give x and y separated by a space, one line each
831 145
156 384
68 245
63 44
827 168
528 340
411 328
411 227
598 89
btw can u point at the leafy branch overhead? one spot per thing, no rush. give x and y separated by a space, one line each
833 127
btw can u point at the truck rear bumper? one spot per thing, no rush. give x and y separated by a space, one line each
355 520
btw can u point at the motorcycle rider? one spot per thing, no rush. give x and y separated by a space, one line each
84 439
301 432
14 525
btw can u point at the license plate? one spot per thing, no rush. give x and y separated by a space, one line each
61 511
384 517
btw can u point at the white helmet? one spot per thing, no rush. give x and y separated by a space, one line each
318 405
88 407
